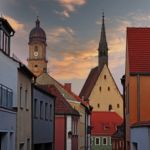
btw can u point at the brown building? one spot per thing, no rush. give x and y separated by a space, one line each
37 62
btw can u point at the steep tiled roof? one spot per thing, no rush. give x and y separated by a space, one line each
138 47
62 107
90 82
105 123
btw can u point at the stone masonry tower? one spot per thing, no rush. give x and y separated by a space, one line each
37 62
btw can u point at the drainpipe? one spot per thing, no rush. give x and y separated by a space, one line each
124 106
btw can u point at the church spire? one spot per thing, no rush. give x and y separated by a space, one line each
103 48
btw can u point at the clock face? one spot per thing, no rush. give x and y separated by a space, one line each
36 54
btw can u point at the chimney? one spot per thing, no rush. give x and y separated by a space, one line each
67 86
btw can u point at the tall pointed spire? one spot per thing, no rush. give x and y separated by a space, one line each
103 48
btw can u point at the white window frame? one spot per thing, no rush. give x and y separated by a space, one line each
103 140
98 139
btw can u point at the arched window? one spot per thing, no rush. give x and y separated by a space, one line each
110 107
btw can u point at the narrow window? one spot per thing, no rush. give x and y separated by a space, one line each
28 144
51 114
41 109
100 88
35 66
108 88
35 108
104 141
105 77
118 106
97 141
21 97
46 105
110 107
26 99
98 105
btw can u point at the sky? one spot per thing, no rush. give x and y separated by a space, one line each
73 33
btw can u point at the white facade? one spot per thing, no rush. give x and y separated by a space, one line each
69 128
8 99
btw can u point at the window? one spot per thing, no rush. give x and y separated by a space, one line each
35 108
28 144
104 141
21 103
97 141
6 96
108 88
35 66
41 109
46 107
98 105
50 113
26 99
100 88
36 49
21 146
110 107
105 77
118 106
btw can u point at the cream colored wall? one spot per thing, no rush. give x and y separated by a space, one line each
104 97
81 124
39 60
24 128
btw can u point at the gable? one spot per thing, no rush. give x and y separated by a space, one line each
105 92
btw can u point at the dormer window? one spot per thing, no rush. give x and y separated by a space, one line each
6 32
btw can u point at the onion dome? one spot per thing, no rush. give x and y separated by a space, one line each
37 34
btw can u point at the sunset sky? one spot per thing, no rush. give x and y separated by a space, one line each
73 31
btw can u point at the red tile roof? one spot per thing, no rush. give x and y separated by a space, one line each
105 123
138 47
62 107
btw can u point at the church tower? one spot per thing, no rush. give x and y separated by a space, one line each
37 62
100 88
103 48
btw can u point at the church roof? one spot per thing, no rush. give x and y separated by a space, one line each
138 47
102 126
90 82
37 33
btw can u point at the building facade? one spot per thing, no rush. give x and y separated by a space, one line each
137 79
43 119
8 89
24 108
66 136
103 129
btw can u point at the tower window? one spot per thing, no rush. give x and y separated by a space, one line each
118 106
35 66
100 88
36 49
108 88
98 105
105 77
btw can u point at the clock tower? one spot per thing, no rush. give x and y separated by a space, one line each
37 62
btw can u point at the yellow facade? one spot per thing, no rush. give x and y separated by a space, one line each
105 94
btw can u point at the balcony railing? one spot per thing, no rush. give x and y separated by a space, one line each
6 97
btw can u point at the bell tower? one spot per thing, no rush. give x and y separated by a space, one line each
37 62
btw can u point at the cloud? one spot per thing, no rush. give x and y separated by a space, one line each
14 23
73 64
69 6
